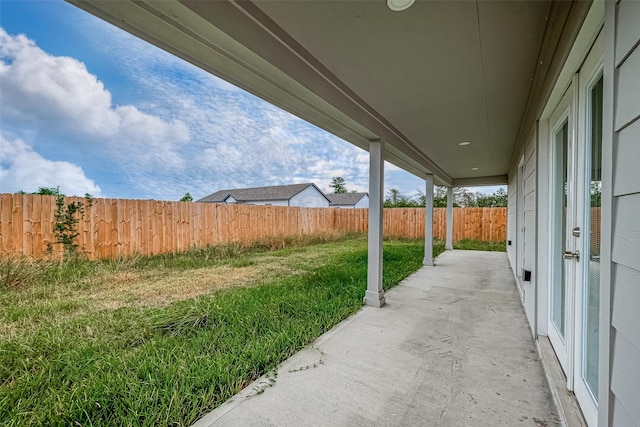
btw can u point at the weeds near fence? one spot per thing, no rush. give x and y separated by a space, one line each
65 229
21 272
67 358
16 273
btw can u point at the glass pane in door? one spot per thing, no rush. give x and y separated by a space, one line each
558 297
592 281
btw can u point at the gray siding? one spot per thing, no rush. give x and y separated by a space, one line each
625 257
512 222
530 229
522 207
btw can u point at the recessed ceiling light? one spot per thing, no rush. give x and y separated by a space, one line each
464 143
399 5
474 169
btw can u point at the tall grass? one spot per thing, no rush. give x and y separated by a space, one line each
170 365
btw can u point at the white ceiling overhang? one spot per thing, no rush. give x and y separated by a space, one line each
423 80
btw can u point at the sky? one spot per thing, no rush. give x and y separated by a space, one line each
92 109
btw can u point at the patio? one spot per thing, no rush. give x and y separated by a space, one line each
451 347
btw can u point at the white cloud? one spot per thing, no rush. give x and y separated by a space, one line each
40 87
21 168
188 130
58 95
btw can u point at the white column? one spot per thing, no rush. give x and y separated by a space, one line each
375 294
449 241
428 222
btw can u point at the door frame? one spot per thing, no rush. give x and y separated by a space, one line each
565 78
590 72
574 109
563 113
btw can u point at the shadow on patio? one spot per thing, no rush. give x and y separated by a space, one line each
450 348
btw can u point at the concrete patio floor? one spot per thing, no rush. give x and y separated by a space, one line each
451 347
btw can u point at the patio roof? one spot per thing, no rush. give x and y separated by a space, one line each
422 80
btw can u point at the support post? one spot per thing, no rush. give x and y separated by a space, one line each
449 242
428 222
375 294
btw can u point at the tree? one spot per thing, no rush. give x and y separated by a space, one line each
187 197
439 197
501 197
596 194
393 199
338 184
494 200
461 198
66 221
396 199
49 191
464 198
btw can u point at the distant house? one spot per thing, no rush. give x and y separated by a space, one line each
303 195
348 200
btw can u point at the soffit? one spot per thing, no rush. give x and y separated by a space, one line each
439 72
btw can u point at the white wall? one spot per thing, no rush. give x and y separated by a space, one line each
310 197
624 292
512 200
530 229
521 214
269 202
363 203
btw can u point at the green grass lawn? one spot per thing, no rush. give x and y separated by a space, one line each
477 245
164 340
473 245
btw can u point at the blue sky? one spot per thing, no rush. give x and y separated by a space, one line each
92 109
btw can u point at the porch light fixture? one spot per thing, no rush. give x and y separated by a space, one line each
464 143
399 5
475 169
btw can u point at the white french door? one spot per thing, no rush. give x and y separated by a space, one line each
574 295
588 197
562 146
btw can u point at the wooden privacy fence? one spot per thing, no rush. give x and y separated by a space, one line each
115 227
487 224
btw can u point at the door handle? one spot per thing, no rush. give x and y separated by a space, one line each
571 255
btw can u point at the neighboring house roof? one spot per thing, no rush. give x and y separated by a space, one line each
345 198
276 192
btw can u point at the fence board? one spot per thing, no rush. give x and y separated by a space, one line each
114 227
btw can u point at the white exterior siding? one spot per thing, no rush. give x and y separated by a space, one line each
625 174
620 416
512 225
269 202
530 229
624 291
310 197
363 203
522 205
